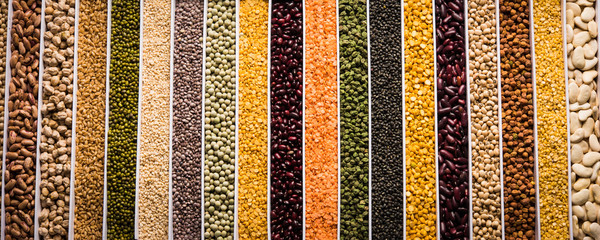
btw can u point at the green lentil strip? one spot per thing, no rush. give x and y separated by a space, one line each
122 120
354 122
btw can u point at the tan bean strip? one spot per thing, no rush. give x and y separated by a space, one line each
57 119
21 157
154 126
581 32
485 135
551 120
90 120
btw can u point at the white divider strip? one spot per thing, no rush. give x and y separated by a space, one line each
403 121
303 118
468 109
71 229
269 127
40 103
171 63
237 118
7 79
339 139
566 69
106 117
370 156
500 131
203 115
535 135
435 120
139 123
339 104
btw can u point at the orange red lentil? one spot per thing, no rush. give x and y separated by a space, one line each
420 117
551 120
253 145
321 120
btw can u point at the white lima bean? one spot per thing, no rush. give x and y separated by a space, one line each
581 30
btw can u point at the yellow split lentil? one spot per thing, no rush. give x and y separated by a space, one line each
253 139
419 120
551 120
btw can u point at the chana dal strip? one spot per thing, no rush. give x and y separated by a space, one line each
253 139
420 120
551 120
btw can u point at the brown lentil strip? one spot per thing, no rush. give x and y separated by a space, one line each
485 132
90 121
187 126
321 119
253 119
123 119
419 120
19 176
518 145
153 163
551 120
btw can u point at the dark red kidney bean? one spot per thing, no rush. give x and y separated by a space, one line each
286 120
452 130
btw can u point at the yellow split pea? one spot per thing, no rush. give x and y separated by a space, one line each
252 201
551 120
420 117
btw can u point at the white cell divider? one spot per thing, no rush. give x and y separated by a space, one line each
435 120
71 229
566 73
269 125
171 63
403 121
7 79
535 135
106 118
202 158
237 119
370 156
468 109
303 118
40 103
500 132
339 102
139 122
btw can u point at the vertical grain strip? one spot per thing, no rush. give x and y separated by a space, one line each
518 146
253 119
321 120
153 163
386 119
187 119
420 120
551 120
123 118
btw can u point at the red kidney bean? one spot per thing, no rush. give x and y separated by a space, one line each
286 120
452 124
